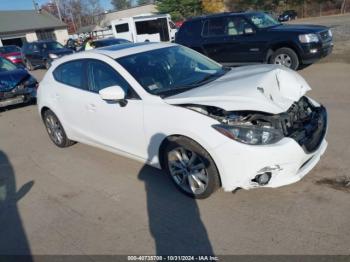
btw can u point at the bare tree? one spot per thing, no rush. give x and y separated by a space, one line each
121 4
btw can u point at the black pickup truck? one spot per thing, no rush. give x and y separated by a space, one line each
255 37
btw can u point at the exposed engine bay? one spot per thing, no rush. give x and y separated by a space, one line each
303 121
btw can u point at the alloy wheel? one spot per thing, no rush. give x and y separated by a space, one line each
54 129
188 170
283 59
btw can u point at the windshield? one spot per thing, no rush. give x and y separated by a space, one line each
51 46
9 49
172 70
262 20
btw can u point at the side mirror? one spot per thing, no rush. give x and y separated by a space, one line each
112 93
248 31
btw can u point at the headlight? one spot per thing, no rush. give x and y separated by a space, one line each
53 56
250 135
330 33
308 38
12 57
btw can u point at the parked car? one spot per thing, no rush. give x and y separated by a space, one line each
288 15
173 108
42 53
12 53
255 37
106 42
17 86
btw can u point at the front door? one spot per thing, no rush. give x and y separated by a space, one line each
118 125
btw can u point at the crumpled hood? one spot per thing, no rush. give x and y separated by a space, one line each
266 88
10 79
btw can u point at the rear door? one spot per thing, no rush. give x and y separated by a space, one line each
214 40
71 95
37 55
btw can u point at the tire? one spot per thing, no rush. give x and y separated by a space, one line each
55 130
196 174
47 64
29 65
286 57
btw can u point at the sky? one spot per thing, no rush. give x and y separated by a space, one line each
28 4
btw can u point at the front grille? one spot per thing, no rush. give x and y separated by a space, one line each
306 124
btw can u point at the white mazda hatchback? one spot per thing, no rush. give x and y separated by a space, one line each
206 125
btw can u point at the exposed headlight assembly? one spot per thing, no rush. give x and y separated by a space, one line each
308 38
330 33
249 134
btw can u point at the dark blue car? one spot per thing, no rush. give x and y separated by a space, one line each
42 53
17 86
255 37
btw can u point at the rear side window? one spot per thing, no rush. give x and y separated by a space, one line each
71 73
122 28
214 27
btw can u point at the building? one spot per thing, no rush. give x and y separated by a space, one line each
21 26
133 11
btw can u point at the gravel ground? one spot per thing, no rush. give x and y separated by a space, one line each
340 25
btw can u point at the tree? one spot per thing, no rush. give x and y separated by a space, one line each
121 4
180 9
213 6
144 2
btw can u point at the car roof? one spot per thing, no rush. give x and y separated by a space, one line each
223 15
117 51
41 42
109 39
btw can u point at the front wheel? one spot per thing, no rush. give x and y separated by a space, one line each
55 130
47 64
191 168
29 65
286 57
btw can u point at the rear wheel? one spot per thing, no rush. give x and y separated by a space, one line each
286 57
191 168
55 130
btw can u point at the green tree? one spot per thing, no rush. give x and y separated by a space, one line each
180 9
121 4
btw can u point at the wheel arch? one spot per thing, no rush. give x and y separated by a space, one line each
173 137
275 46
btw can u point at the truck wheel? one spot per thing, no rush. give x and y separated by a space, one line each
286 57
29 65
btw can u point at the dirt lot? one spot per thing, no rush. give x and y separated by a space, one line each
82 200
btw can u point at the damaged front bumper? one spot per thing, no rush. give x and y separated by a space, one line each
274 165
15 97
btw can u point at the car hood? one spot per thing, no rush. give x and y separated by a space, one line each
10 79
299 28
266 88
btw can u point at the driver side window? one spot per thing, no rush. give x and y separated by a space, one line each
101 75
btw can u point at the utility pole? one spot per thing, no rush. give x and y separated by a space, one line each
35 5
57 3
